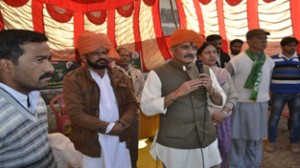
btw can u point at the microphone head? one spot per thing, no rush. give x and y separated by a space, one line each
199 65
199 62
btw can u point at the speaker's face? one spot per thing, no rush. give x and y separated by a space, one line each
185 53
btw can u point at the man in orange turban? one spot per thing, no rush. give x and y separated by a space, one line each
183 36
100 102
175 90
89 41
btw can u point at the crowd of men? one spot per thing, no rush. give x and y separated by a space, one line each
213 113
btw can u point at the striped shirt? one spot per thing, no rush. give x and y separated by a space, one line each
286 74
23 135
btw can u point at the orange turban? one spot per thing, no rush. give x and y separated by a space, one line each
90 41
184 36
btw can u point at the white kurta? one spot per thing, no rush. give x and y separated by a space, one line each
153 103
113 152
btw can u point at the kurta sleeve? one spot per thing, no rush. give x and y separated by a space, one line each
152 101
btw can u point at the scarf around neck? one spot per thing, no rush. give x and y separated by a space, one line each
221 74
255 75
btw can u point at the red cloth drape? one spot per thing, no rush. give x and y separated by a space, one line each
111 26
161 42
123 11
37 17
149 2
136 32
78 26
96 20
221 21
252 12
268 1
86 7
295 8
205 2
1 22
233 2
16 3
87 1
59 17
181 15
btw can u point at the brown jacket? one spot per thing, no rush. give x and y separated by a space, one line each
81 96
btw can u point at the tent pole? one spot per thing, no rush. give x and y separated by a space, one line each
174 18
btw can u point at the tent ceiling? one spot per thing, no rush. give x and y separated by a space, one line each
136 24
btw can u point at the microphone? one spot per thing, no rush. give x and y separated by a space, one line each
199 65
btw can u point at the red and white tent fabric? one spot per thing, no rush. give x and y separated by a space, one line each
136 24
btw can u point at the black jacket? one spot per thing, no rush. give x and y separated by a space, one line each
224 58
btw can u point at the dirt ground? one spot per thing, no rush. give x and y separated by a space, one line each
282 157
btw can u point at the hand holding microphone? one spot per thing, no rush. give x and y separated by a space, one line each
206 83
205 80
189 86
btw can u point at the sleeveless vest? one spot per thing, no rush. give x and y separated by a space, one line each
187 123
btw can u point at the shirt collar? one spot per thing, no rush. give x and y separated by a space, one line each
22 98
92 72
126 72
180 66
283 56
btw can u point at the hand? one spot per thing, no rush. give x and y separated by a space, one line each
218 117
205 81
118 129
188 87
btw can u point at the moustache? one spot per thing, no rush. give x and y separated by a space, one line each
189 55
102 59
46 75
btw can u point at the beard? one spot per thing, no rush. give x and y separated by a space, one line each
233 52
96 65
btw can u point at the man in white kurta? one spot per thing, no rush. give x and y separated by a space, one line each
155 101
113 153
251 73
101 106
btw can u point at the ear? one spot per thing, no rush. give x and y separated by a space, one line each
5 65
